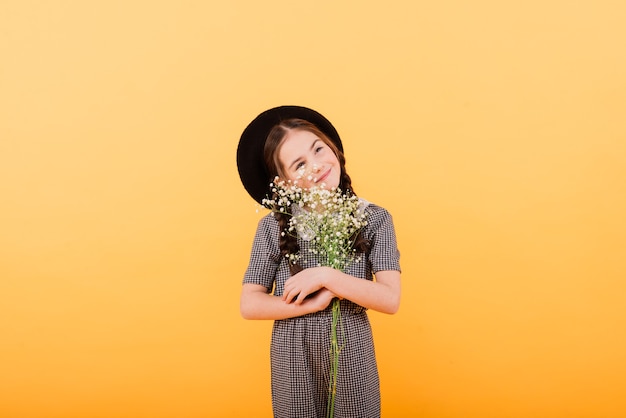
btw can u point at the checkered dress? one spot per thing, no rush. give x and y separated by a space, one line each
300 346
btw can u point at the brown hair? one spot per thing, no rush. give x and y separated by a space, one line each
288 244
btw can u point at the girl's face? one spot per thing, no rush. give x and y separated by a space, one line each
306 158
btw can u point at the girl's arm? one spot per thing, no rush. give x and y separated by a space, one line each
381 295
256 303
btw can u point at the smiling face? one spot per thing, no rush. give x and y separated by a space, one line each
306 158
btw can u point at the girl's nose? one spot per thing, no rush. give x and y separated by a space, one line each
315 168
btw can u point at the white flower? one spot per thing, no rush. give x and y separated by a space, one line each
326 217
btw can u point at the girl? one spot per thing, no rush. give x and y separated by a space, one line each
297 143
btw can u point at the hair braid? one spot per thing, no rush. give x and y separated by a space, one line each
288 244
361 244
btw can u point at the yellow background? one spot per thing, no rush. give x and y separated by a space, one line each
493 131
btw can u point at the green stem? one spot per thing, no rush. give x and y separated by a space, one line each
335 349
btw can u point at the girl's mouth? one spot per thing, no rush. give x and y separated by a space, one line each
323 176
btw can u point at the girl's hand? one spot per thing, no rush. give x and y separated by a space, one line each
305 283
320 300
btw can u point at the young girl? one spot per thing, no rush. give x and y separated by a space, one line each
297 143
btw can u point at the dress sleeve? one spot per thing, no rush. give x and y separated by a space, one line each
265 254
384 253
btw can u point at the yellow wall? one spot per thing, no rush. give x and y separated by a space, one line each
493 131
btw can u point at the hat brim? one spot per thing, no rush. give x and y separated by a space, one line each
252 170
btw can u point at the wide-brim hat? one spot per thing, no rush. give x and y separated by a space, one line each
250 162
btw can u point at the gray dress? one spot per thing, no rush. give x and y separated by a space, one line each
299 351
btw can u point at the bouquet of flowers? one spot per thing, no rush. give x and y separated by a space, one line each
331 220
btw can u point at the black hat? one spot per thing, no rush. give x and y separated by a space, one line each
252 170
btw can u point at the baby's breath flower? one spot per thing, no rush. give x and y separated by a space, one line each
328 218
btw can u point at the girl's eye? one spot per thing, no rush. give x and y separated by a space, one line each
299 166
318 149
